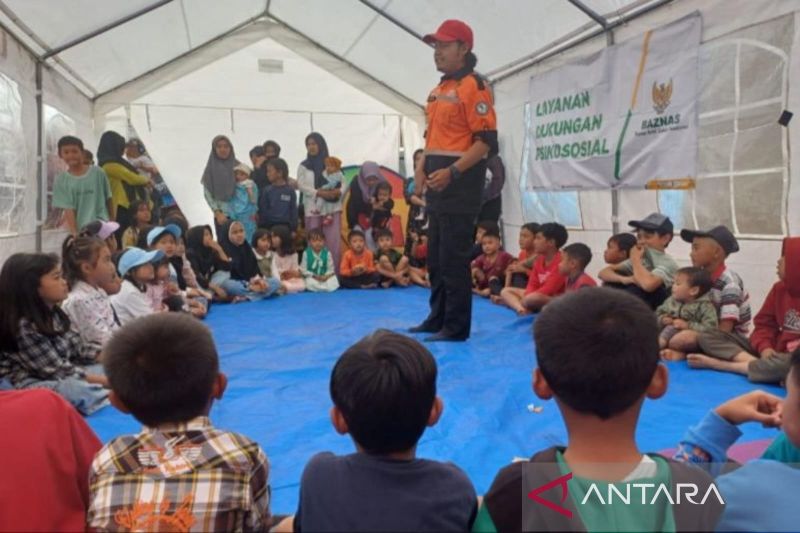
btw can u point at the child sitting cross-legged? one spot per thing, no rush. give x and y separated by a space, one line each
37 347
489 269
287 268
317 264
180 473
390 264
689 307
357 270
574 260
519 270
137 270
597 356
418 260
384 486
265 256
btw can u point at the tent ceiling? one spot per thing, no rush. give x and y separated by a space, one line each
379 37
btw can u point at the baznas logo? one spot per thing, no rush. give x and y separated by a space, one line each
662 95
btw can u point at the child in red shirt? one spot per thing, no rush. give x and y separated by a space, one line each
545 281
574 260
520 269
489 269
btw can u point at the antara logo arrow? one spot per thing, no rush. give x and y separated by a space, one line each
562 482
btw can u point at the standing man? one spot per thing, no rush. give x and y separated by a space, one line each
461 133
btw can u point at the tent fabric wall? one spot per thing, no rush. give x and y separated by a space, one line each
720 20
18 65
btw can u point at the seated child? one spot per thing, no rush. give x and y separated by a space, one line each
168 239
390 264
180 473
137 269
243 280
317 265
357 270
597 355
142 217
758 495
287 268
649 271
545 281
765 357
519 270
47 459
157 290
37 347
574 260
334 177
265 257
418 262
482 227
278 203
382 205
87 266
689 307
206 257
383 486
104 230
489 269
618 248
243 205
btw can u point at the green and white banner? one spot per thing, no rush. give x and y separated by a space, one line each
623 117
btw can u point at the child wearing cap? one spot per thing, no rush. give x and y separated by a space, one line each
649 271
83 191
243 205
167 239
136 268
710 249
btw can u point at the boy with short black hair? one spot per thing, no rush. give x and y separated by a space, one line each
489 269
545 281
357 268
649 271
83 191
597 355
390 264
384 486
180 472
574 260
482 227
689 307
618 248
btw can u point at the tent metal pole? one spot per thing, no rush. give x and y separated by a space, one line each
614 192
524 63
103 29
591 13
40 161
391 19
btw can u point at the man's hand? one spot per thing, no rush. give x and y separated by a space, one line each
440 179
679 323
636 254
755 406
769 352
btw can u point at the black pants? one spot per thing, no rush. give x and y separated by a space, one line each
653 299
491 210
449 247
356 282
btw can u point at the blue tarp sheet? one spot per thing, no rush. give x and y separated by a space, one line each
278 355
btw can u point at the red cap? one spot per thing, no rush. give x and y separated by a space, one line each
451 30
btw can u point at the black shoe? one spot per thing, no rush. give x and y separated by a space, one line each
423 328
443 337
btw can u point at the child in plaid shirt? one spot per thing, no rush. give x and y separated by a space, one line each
179 473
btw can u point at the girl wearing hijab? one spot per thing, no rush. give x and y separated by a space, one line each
311 183
242 281
218 181
126 183
359 203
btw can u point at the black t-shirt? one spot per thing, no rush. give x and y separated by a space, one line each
360 492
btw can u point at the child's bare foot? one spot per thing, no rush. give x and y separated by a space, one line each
672 355
521 311
370 286
404 281
238 299
386 284
698 360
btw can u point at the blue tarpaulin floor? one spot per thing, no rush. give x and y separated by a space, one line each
278 355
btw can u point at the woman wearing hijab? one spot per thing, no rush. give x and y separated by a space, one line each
311 182
359 203
218 181
126 183
242 279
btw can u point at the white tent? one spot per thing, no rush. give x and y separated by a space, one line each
177 72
